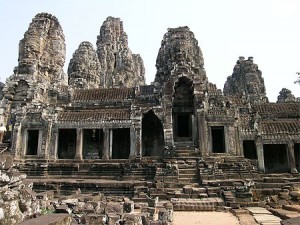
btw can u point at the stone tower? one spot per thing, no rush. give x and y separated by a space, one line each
41 59
285 95
118 66
180 54
84 67
246 80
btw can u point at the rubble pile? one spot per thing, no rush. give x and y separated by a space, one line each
17 199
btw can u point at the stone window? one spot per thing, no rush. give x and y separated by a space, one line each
249 148
66 143
275 157
218 141
152 135
32 142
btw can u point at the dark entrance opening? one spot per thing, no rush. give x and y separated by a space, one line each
297 155
184 125
249 149
93 143
121 143
218 141
275 158
32 142
66 143
152 135
183 108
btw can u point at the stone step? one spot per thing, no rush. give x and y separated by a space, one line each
188 176
284 214
263 216
187 180
204 204
188 171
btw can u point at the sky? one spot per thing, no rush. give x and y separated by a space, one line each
268 30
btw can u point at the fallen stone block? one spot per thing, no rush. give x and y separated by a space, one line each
50 219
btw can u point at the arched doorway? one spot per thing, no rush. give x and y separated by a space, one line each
183 109
152 135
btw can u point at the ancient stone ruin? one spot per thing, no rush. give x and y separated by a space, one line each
99 144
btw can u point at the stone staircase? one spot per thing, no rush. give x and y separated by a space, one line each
185 150
230 177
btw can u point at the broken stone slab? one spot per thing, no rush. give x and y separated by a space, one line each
128 206
50 219
112 219
295 208
132 219
63 208
114 208
94 219
293 221
46 195
258 210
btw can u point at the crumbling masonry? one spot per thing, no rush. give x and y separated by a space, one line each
179 137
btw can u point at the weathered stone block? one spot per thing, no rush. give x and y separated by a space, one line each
50 219
114 208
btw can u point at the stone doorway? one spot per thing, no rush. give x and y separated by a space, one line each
93 143
183 109
152 135
218 140
297 155
121 143
249 148
275 158
32 142
66 143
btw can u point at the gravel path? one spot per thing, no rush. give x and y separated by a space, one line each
204 218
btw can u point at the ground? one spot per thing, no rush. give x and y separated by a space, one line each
204 218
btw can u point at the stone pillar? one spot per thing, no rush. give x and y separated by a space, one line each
24 142
53 154
202 134
194 130
291 157
133 147
110 143
79 143
40 149
106 144
260 155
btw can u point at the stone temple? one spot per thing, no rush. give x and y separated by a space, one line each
180 137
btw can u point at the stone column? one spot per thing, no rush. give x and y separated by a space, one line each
133 147
202 134
194 130
79 144
260 155
110 143
24 142
106 144
40 150
291 157
53 154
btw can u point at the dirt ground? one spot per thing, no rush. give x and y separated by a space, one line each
204 218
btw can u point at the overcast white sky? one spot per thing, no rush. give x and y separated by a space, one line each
268 30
